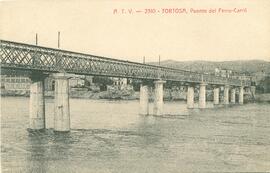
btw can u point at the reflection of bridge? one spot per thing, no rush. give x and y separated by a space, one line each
40 61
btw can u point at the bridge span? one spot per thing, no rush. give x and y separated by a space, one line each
40 62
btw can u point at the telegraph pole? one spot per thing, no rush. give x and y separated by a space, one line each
144 59
159 69
58 39
36 39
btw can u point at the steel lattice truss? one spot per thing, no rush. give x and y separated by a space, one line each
18 56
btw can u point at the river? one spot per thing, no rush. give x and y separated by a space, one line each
109 136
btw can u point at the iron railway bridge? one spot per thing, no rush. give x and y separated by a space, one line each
26 57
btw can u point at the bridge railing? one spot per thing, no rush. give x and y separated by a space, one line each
29 57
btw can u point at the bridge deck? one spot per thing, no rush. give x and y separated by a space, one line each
19 56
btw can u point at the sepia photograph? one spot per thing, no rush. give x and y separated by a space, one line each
128 86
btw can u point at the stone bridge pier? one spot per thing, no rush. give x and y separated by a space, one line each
253 92
37 102
226 95
202 95
144 99
158 98
190 96
233 96
61 103
241 95
216 95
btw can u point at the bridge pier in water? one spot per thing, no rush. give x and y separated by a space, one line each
144 99
216 95
202 96
233 95
61 103
190 97
158 98
253 91
37 102
226 94
241 95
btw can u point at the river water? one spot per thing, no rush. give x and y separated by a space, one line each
110 136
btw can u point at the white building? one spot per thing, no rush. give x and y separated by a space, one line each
122 83
11 82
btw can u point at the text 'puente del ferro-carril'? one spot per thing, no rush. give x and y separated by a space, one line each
40 62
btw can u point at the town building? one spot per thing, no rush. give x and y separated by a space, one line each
122 83
223 72
12 82
22 83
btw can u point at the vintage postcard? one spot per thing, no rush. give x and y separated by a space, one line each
155 86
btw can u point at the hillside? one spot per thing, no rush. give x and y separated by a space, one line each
209 66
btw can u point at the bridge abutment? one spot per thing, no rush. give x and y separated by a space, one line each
61 103
226 94
216 95
158 98
202 96
144 99
233 95
190 97
37 102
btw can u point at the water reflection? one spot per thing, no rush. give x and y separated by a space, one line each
36 158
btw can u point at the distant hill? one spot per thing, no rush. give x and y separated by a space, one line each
250 66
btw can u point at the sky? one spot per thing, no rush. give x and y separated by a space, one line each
101 28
